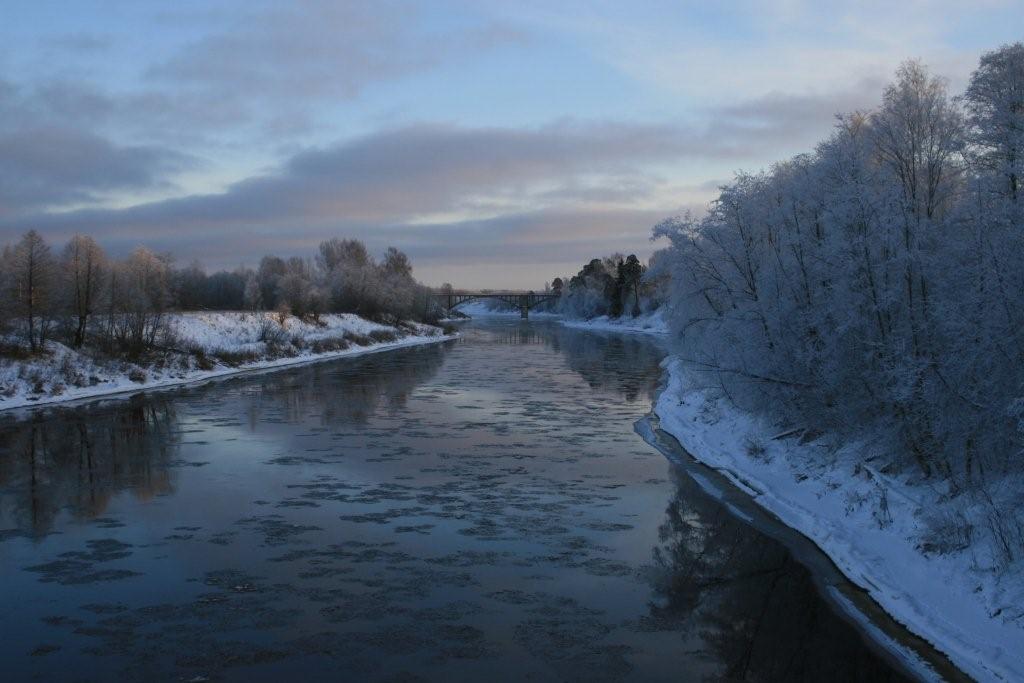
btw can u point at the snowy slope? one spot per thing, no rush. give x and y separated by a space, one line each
650 323
869 524
218 344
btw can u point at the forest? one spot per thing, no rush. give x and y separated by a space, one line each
615 286
876 286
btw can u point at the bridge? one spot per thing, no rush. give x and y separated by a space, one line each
524 301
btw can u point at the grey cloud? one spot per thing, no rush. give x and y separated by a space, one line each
49 166
556 194
321 49
79 43
389 182
547 239
783 120
396 175
51 154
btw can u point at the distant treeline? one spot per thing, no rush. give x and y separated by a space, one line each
615 286
79 294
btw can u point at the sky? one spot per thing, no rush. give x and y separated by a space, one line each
499 144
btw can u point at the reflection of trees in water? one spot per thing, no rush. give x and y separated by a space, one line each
351 391
78 460
755 609
522 334
628 364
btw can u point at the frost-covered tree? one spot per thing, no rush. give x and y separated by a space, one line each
995 103
253 295
296 287
271 269
873 284
918 135
139 299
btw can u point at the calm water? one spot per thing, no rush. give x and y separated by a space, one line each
477 510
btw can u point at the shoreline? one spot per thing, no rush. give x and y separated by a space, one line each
646 324
104 392
898 579
884 634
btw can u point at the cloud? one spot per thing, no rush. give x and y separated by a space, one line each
51 156
438 191
521 192
48 166
80 43
783 122
322 49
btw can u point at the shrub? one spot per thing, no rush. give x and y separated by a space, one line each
756 448
357 339
946 531
381 336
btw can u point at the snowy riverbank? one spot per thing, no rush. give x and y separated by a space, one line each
871 525
207 345
649 323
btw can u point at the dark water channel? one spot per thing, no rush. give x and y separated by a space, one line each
475 510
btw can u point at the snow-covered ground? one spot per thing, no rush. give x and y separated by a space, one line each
486 308
206 345
871 525
650 323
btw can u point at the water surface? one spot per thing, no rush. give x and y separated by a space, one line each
475 510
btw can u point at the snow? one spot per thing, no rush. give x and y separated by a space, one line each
870 525
650 323
488 308
230 342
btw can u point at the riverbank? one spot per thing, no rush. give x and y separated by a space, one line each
871 525
648 323
205 346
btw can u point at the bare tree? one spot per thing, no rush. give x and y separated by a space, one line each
83 268
33 286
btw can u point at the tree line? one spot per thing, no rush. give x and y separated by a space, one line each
79 295
878 281
614 286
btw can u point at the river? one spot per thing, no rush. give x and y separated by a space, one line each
479 509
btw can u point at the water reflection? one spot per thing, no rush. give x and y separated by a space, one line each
624 364
474 510
627 363
752 606
78 461
347 392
